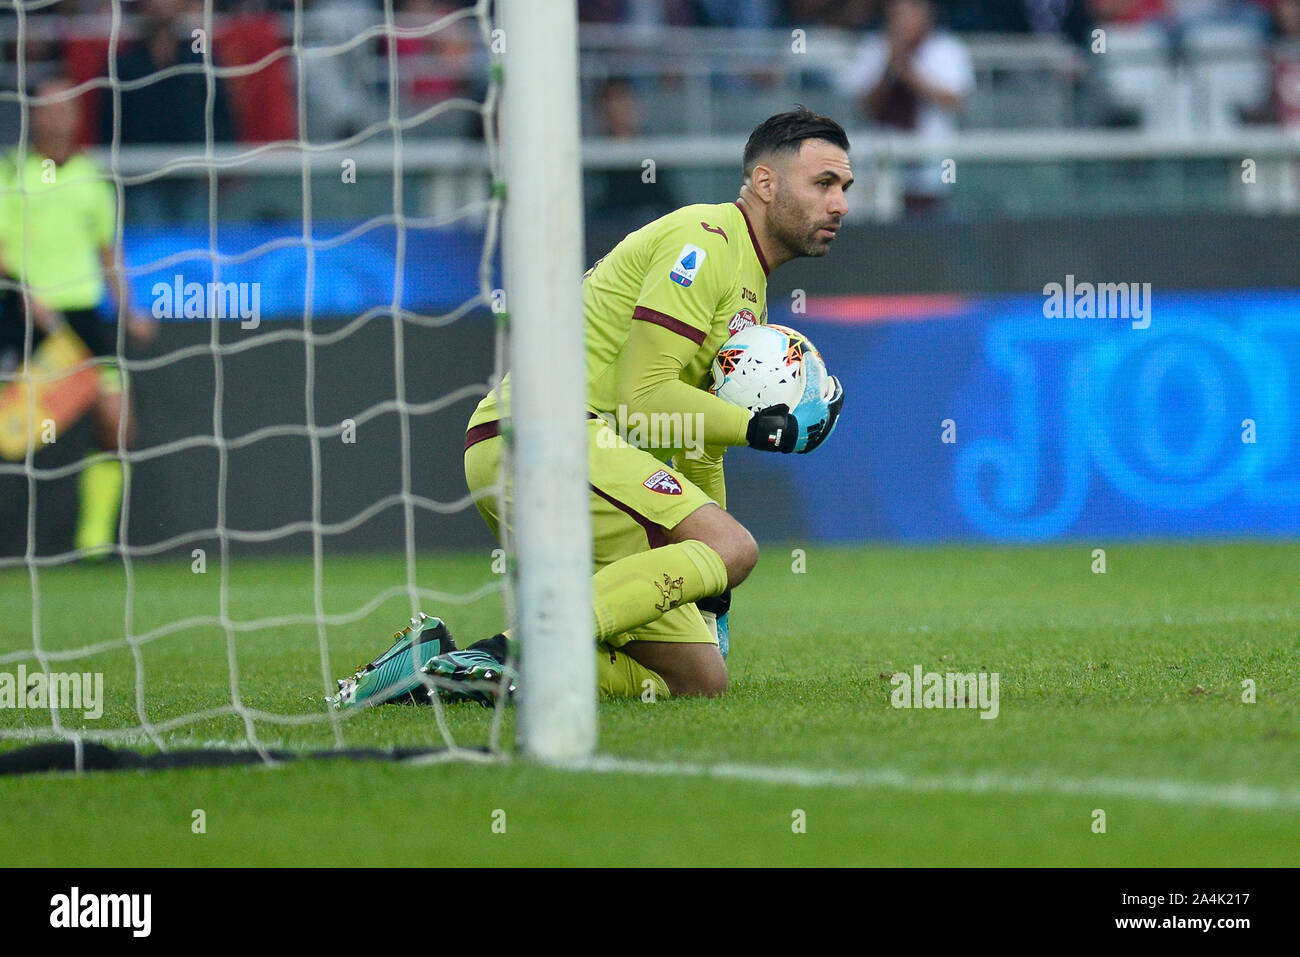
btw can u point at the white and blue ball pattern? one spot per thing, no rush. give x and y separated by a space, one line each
766 365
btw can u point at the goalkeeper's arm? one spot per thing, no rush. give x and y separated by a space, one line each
649 371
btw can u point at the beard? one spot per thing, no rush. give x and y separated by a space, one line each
794 230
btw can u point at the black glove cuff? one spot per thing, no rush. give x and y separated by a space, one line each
773 430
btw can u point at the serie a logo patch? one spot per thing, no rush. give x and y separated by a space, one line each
663 482
688 264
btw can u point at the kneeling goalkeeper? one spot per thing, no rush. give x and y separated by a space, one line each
657 308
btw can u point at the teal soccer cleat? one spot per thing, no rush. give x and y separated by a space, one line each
395 675
479 673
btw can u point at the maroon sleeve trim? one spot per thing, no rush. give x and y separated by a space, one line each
696 336
482 432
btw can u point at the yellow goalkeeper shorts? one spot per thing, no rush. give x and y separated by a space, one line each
634 500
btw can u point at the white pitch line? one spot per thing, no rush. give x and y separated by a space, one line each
1242 796
1245 796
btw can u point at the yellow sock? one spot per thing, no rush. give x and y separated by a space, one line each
619 676
101 498
636 590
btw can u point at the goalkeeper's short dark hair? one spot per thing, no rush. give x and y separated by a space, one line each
785 133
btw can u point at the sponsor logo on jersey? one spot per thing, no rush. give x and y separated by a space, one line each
664 483
748 296
715 229
741 320
688 264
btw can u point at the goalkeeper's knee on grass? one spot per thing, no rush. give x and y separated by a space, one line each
640 588
423 662
627 594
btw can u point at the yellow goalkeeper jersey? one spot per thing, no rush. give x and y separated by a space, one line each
657 308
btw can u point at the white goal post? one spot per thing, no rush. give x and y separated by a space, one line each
543 261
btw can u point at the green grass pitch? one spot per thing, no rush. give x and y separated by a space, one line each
1120 692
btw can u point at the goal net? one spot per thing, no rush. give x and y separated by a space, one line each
317 303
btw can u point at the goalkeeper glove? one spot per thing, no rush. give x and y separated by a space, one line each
834 402
773 429
777 429
819 406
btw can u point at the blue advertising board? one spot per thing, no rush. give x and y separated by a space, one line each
980 418
996 418
354 267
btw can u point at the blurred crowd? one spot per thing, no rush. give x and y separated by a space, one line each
1073 18
998 16
260 103
909 67
340 92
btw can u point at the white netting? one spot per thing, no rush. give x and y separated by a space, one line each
373 140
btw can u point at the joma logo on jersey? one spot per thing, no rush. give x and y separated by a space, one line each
741 320
688 264
748 296
663 482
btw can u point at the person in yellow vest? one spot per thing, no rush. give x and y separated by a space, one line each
58 251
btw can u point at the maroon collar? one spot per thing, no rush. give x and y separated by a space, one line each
752 238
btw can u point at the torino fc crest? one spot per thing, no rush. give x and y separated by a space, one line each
663 482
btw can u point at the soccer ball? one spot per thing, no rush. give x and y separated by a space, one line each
763 366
